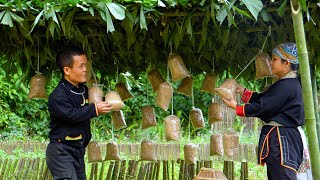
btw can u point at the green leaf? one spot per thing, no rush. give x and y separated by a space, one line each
110 27
82 7
51 28
36 20
189 25
254 6
91 10
264 15
202 2
161 4
165 35
117 11
282 8
143 23
7 20
1 14
303 4
213 14
221 15
54 17
240 11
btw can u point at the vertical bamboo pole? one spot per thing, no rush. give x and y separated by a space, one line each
306 87
158 169
172 169
315 99
228 169
115 173
110 169
244 171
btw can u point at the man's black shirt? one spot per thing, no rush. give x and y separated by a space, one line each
69 113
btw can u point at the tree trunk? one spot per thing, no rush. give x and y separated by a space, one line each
306 87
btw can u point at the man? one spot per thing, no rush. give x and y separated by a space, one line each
70 117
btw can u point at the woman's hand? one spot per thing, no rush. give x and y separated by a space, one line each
230 103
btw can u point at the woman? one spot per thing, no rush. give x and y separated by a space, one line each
281 109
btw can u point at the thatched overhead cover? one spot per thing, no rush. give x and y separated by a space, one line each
141 34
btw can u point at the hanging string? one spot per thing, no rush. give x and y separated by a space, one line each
192 100
212 63
147 90
189 130
264 43
112 132
94 75
117 75
38 66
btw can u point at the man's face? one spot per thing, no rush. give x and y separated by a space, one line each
78 73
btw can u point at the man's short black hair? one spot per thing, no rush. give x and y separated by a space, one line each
65 57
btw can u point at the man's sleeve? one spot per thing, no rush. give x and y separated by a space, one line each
64 110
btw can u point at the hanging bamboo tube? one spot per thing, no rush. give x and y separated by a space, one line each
95 94
155 79
227 89
196 118
118 119
112 152
186 86
147 152
123 91
262 64
94 152
190 153
215 113
231 143
216 145
172 128
209 83
177 68
114 98
148 117
38 87
164 95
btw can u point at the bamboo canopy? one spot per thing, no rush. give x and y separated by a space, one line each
140 33
306 87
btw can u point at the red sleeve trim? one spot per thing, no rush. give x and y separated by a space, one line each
240 110
246 96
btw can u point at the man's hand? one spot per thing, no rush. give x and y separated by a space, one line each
231 103
103 107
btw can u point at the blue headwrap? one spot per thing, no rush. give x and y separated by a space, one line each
287 51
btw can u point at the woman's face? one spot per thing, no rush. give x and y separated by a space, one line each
278 67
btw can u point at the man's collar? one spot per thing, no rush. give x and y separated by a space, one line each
71 86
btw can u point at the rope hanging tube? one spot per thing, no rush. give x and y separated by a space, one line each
264 43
